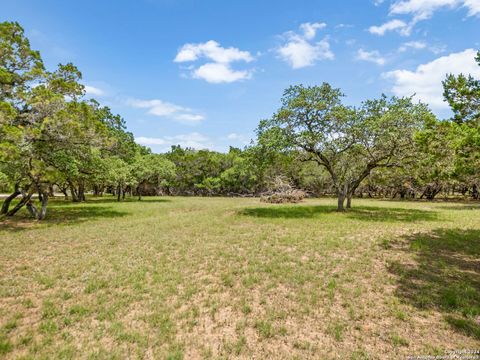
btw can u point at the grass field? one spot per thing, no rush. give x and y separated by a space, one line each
234 278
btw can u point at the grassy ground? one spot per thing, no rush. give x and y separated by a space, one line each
233 278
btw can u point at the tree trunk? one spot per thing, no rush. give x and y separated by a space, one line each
431 191
475 193
349 201
43 210
8 200
119 193
64 192
32 209
81 191
74 193
341 200
25 199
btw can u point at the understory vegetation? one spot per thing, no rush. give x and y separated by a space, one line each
183 277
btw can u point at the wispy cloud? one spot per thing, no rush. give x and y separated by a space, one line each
193 140
419 10
418 45
239 138
95 91
424 9
371 56
421 45
393 25
300 49
165 109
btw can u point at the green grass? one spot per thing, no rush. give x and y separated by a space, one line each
181 278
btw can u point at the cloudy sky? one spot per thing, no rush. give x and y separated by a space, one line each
202 73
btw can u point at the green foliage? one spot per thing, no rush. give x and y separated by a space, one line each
348 142
462 93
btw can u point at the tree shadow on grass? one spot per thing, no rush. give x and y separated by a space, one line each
445 276
364 213
108 200
461 207
57 215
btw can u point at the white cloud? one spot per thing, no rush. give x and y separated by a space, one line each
424 9
142 140
372 56
192 140
165 109
220 73
418 45
393 25
310 30
212 51
473 7
190 117
92 90
218 69
300 50
426 81
420 10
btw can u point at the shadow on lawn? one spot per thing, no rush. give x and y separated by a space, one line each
461 207
108 200
365 213
57 215
445 276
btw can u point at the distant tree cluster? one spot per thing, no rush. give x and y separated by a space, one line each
53 140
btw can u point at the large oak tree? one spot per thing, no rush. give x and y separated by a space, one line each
348 142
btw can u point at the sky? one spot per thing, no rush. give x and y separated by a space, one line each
203 73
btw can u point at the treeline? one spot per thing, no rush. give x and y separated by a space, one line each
54 140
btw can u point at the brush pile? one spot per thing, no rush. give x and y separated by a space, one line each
282 192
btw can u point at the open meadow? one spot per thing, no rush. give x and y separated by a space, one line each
178 277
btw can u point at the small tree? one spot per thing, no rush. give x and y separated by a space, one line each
349 143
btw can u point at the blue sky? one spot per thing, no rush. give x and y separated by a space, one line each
203 73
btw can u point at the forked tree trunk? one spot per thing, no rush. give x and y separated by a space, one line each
32 209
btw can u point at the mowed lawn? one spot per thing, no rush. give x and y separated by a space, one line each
177 277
